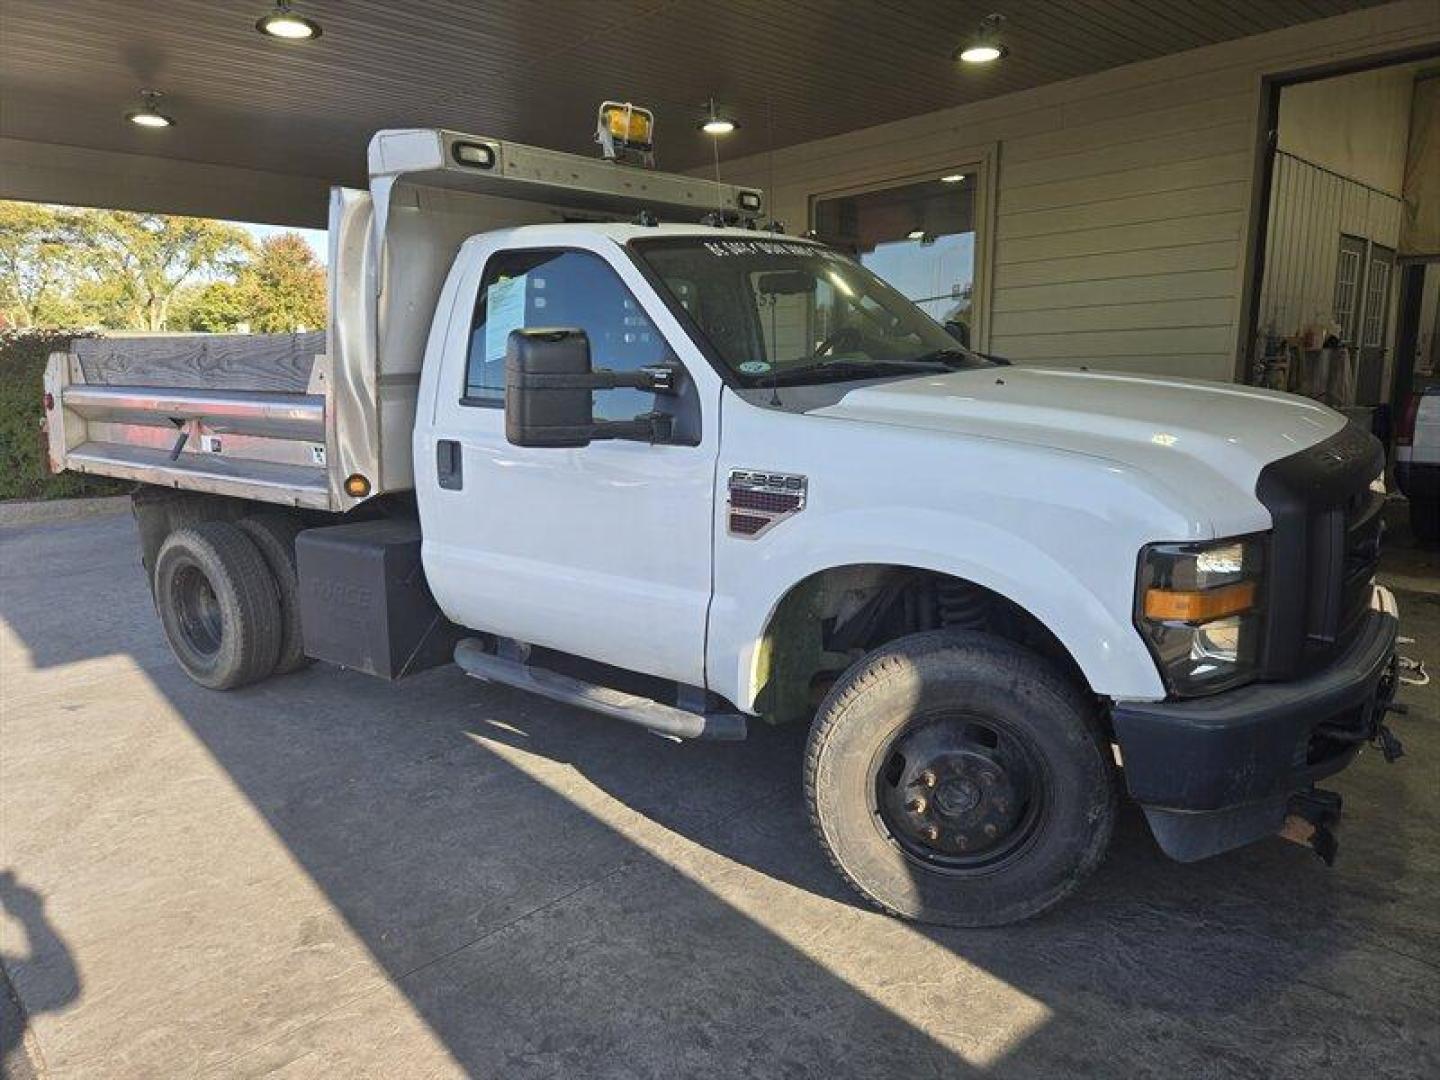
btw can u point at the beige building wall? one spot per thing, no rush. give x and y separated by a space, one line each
1119 204
1310 208
1357 126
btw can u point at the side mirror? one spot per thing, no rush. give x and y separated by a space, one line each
548 387
959 331
547 402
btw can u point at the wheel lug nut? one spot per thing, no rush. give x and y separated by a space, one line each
916 805
990 830
932 832
927 778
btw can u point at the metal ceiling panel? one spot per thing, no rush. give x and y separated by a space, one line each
535 72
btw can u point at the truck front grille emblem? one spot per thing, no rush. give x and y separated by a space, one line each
759 500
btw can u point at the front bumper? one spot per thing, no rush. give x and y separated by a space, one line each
1214 773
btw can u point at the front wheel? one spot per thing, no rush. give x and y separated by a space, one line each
959 779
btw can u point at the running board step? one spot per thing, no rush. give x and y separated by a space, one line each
474 660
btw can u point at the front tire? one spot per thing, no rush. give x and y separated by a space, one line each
218 604
959 779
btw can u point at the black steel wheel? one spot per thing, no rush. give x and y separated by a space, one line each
958 778
960 792
197 609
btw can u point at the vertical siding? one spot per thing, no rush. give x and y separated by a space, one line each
1310 208
1118 203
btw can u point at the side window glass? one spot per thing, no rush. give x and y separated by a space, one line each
531 289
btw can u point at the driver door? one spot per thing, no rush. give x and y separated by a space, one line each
602 551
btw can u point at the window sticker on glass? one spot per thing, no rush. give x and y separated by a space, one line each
504 312
728 248
754 367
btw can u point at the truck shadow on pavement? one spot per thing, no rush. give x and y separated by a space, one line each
554 893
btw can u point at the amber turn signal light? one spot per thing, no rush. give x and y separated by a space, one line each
356 486
1199 605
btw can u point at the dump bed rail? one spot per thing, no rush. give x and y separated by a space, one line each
244 416
288 418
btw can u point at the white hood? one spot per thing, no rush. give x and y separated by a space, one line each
1204 441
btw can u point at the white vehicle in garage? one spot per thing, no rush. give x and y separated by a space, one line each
1417 462
693 475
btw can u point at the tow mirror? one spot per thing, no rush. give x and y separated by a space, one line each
959 331
547 402
548 388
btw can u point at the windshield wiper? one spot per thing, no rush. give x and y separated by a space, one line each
960 358
835 370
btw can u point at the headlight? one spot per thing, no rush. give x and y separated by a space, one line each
1199 609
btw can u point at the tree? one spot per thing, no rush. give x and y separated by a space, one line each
35 260
217 307
282 289
150 256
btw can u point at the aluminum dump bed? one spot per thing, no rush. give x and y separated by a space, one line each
287 418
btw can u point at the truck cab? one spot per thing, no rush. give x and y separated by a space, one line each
701 474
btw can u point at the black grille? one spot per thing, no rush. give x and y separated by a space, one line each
1324 549
747 524
768 501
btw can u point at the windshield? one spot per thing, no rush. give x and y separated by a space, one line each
790 312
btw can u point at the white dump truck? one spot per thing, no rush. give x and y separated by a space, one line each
589 430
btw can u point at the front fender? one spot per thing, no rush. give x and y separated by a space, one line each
1056 532
1102 641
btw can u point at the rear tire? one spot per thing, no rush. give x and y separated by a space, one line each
1425 520
959 779
219 605
274 535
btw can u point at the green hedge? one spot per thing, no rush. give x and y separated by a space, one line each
24 470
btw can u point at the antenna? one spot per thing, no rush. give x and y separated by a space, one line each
770 155
775 401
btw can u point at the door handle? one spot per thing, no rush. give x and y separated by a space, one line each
449 465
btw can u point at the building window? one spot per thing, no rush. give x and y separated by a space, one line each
920 237
1347 282
1376 293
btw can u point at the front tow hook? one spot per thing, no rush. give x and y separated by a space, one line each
1310 820
1388 742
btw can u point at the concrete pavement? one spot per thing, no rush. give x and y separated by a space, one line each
325 874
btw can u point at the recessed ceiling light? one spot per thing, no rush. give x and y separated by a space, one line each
715 123
148 115
953 178
985 47
284 24
981 54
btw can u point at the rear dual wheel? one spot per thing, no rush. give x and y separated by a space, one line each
228 601
959 779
